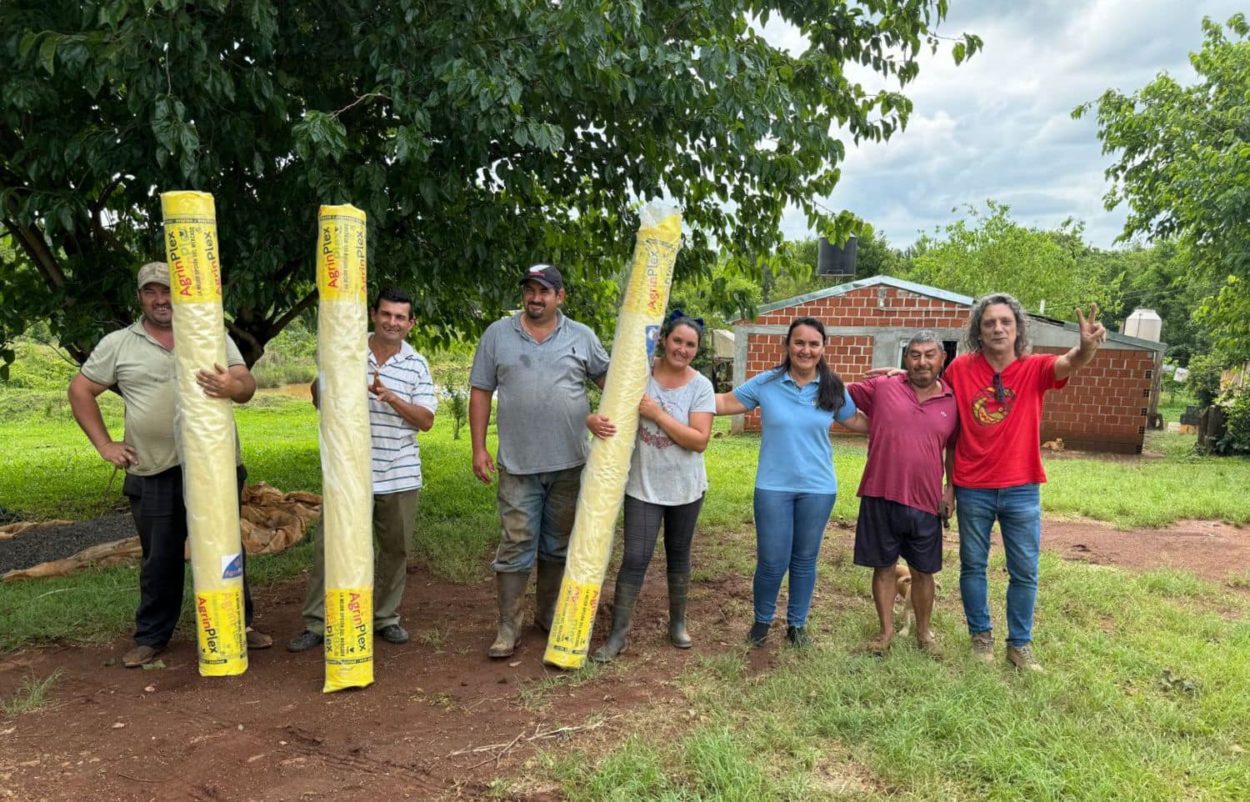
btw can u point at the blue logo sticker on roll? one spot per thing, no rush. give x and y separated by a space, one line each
232 566
653 334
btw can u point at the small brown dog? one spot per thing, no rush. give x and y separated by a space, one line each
902 597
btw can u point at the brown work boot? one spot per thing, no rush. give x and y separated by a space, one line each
140 656
983 646
511 590
1022 658
257 640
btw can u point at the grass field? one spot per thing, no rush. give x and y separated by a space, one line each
48 470
1146 696
1147 693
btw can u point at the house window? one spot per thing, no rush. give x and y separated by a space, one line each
951 348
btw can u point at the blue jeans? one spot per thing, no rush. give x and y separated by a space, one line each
536 512
789 528
1019 513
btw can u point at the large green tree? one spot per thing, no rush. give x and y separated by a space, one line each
989 252
478 137
1183 168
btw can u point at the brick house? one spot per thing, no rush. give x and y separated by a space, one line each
1105 406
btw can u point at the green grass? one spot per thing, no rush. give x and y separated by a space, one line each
31 695
1172 404
1146 696
48 470
1150 492
1147 692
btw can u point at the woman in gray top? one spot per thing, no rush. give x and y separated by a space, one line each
667 479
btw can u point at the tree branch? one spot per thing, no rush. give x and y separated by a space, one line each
358 101
250 346
295 311
37 249
287 270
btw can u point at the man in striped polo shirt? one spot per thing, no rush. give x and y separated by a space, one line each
402 402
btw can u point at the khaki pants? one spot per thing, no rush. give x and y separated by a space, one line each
393 518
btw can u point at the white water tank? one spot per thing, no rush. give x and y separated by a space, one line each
1144 324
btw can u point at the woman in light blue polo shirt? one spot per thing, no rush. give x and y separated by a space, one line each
794 483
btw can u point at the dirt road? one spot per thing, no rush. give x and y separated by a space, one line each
442 720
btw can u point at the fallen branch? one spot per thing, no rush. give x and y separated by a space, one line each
501 749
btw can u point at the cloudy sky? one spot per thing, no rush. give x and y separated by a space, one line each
999 126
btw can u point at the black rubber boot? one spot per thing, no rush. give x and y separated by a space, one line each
511 588
622 614
678 591
758 634
547 592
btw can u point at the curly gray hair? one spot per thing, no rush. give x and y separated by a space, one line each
972 339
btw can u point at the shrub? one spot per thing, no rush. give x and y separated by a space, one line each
289 358
457 405
1204 379
1236 437
38 366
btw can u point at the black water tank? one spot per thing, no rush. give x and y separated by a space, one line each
835 261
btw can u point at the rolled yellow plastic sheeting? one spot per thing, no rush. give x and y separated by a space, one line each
346 471
204 431
607 468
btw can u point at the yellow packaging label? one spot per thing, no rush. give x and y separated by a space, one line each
652 272
349 639
341 254
574 619
221 632
191 247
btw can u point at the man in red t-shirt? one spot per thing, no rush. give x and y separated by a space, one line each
998 471
912 423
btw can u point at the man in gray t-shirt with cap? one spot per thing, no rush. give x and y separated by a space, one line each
538 361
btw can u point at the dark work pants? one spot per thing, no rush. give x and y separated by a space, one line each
642 529
160 514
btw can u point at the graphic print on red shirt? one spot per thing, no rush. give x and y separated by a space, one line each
999 443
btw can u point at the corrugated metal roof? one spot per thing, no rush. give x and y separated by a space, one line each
888 281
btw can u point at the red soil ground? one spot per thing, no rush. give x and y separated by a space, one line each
442 720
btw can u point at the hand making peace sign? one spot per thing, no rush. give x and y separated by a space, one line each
1093 333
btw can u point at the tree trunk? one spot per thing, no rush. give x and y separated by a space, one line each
1211 427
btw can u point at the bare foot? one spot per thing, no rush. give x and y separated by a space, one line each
929 645
880 644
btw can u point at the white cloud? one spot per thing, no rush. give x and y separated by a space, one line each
999 126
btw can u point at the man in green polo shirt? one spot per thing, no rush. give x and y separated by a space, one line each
139 362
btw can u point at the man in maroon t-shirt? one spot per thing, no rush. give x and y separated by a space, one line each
998 471
912 423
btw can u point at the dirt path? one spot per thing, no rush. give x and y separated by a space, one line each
271 734
1210 549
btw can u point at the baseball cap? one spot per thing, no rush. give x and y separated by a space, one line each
546 275
153 273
